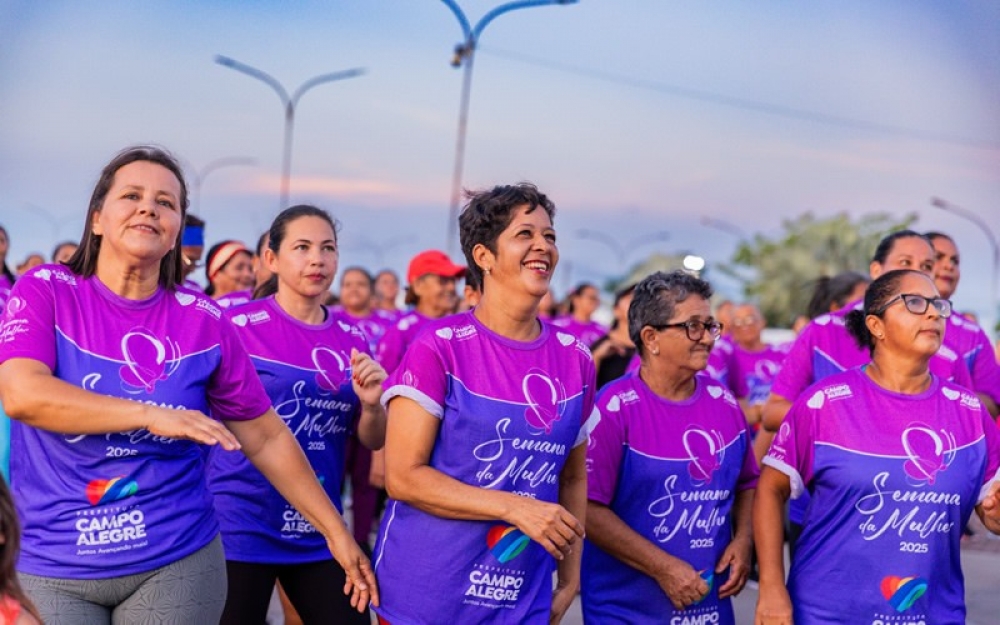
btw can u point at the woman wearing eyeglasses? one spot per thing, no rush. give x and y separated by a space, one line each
896 459
671 475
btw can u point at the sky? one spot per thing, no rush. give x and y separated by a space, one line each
637 117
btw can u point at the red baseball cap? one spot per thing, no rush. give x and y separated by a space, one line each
435 262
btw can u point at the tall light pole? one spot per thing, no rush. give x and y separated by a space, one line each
976 219
198 177
465 53
289 102
622 251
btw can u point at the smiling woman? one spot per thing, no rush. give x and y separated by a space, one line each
109 371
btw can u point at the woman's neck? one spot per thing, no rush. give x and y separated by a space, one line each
131 282
581 316
668 382
501 315
899 374
359 312
308 310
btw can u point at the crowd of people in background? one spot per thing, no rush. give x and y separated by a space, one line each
182 417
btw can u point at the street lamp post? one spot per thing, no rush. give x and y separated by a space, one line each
198 177
465 53
289 102
982 225
622 251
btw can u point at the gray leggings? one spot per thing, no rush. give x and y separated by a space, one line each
190 590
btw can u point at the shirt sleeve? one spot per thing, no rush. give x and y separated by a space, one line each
606 448
587 410
992 474
793 446
391 348
984 367
796 372
421 376
750 471
28 325
235 392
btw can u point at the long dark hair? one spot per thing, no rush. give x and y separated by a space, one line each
84 260
6 270
276 234
10 529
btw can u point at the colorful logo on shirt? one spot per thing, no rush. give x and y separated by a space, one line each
506 542
146 361
903 592
331 370
101 492
927 453
706 451
545 398
709 577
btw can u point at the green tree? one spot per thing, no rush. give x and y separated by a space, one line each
779 273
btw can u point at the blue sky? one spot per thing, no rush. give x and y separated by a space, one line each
635 116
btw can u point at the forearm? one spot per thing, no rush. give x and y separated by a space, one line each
774 412
743 515
39 399
606 530
768 529
430 490
371 426
573 497
273 449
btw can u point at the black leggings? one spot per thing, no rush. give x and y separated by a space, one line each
316 589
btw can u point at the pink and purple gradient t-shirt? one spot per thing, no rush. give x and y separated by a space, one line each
374 325
824 348
894 479
671 471
510 414
307 375
964 337
98 506
398 337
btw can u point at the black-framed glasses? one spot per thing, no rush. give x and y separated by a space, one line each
918 304
694 329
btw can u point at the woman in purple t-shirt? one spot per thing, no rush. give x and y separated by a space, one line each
671 474
109 371
896 459
485 444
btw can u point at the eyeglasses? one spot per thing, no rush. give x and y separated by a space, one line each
694 329
918 304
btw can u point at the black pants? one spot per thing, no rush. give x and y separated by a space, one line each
316 589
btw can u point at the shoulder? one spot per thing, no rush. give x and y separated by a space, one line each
833 388
253 313
194 303
715 392
964 399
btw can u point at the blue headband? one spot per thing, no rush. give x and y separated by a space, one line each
193 236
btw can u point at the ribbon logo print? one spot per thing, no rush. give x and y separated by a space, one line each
331 370
705 454
545 399
146 361
927 453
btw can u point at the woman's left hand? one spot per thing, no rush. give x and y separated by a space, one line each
736 558
367 377
360 584
562 598
990 506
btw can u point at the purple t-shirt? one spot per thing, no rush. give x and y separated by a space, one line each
307 375
510 414
374 325
670 471
5 286
964 337
752 373
115 504
720 360
825 348
398 337
587 331
236 298
894 479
